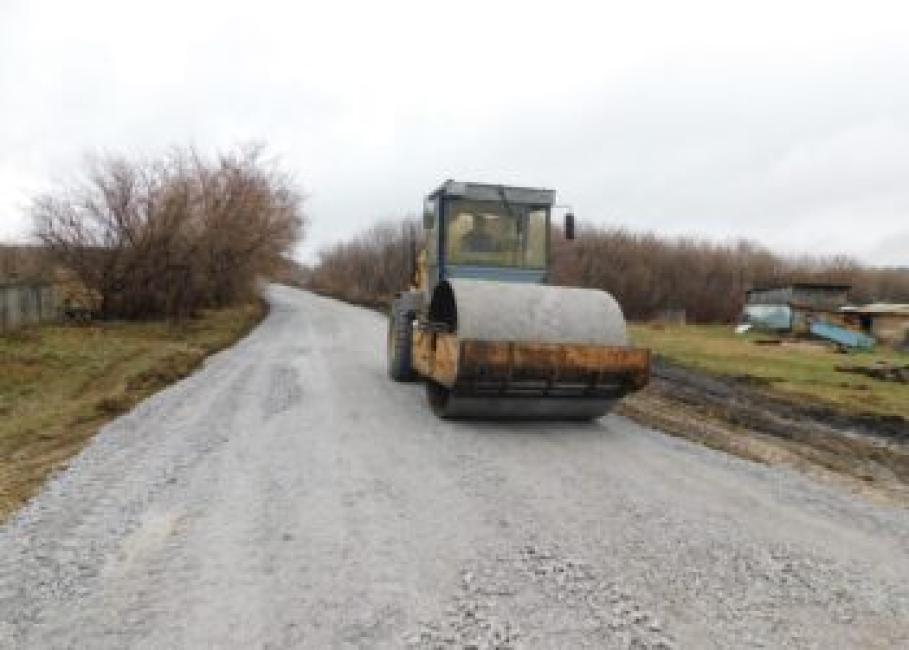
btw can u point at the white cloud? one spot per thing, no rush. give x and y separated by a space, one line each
787 122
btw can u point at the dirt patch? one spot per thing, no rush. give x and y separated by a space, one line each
740 416
881 372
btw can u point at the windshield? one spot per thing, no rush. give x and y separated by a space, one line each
486 233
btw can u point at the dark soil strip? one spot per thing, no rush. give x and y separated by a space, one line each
746 402
740 416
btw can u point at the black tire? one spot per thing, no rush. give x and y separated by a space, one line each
400 338
438 397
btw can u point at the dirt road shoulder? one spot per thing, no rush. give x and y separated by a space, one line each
867 454
59 384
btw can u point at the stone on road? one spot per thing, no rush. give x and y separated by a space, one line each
289 495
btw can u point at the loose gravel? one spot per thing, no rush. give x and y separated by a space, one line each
289 495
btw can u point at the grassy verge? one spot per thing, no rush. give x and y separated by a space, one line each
59 384
795 371
780 405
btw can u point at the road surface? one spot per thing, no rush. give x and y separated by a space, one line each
289 495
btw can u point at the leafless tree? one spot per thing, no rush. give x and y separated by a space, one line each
165 237
647 273
371 267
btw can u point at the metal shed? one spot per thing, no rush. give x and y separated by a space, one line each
794 306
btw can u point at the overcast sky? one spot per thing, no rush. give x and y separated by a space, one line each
785 122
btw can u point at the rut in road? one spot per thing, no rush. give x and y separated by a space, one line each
289 495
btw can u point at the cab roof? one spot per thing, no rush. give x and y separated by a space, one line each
451 189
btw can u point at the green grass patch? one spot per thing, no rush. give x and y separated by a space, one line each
796 371
59 384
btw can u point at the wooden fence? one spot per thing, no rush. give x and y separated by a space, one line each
26 304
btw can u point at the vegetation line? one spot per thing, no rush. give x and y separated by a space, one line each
648 274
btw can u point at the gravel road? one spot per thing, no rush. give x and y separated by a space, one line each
289 495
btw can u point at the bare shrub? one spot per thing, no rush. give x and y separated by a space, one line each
165 237
371 267
647 274
708 280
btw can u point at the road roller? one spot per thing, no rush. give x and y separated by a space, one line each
484 329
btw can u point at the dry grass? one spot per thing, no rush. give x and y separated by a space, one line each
59 384
789 371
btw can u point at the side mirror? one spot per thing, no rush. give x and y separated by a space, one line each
569 225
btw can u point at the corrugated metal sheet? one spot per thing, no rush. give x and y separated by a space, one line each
26 304
842 336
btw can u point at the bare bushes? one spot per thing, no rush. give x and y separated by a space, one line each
708 280
647 273
371 267
165 237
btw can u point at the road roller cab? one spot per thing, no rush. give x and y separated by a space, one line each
484 329
486 232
